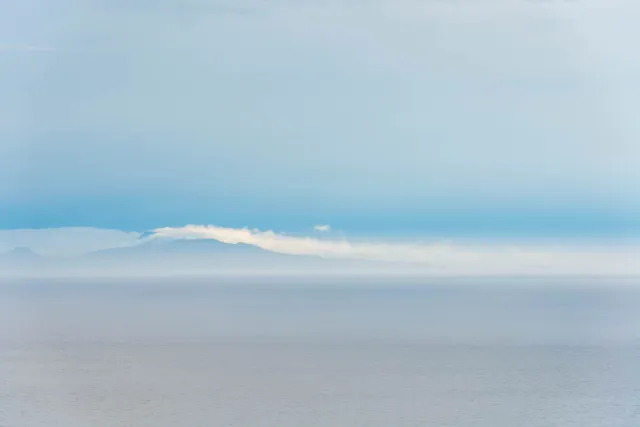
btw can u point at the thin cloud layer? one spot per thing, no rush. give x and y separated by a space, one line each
441 258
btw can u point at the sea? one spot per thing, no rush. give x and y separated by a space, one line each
301 351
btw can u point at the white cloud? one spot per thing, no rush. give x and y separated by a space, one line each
66 241
322 227
441 258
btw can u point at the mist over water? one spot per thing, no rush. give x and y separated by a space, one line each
329 351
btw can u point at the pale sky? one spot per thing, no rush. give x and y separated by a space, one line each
445 118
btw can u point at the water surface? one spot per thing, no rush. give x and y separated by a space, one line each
326 353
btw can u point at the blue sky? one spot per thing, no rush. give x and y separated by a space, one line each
447 118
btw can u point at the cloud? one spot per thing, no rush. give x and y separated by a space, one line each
322 227
66 241
441 258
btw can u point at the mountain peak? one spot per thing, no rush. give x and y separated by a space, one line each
21 251
171 246
20 257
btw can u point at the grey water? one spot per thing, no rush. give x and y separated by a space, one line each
319 352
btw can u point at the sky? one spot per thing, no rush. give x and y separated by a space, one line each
449 119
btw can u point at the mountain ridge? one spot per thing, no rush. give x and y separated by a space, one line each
160 256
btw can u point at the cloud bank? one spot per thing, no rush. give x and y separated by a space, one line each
441 258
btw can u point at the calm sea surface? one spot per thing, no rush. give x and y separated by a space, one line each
319 353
